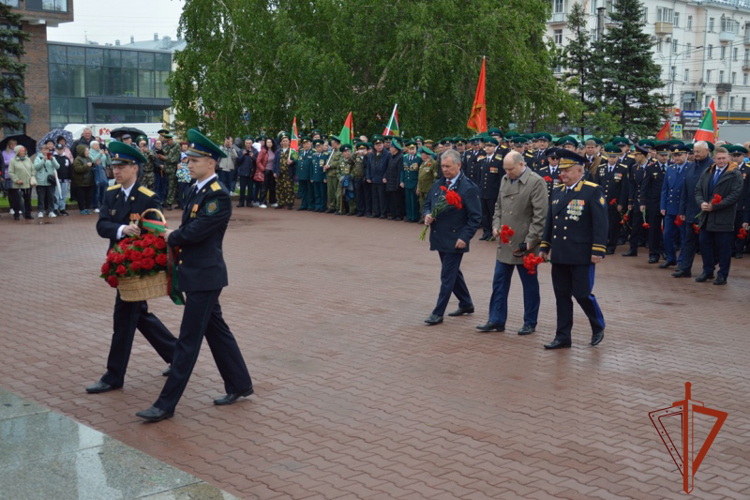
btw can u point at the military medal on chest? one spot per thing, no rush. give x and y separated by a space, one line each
575 209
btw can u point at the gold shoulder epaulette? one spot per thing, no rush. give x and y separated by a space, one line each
592 184
561 186
116 186
146 191
215 186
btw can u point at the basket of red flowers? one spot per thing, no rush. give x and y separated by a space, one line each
138 266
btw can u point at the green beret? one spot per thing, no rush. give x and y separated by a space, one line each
409 142
544 136
598 141
568 139
711 146
495 131
528 137
317 141
418 138
283 134
166 136
737 149
305 138
512 134
612 149
361 145
458 139
316 131
345 147
647 143
395 144
519 139
492 140
620 141
376 138
122 153
200 145
335 138
446 141
426 150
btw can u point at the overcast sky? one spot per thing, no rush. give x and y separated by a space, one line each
105 21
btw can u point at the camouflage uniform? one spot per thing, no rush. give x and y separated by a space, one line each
172 152
428 174
347 167
334 186
147 168
285 182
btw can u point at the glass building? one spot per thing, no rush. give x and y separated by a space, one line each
107 84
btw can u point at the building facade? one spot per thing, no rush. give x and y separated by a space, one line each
702 48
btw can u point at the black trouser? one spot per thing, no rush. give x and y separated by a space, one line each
638 235
259 191
395 199
367 194
127 317
488 212
655 237
716 248
614 228
85 197
269 183
45 199
577 282
21 201
378 199
689 248
246 190
359 195
202 316
451 282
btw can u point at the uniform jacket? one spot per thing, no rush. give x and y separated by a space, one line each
546 171
410 172
117 210
393 172
688 206
427 175
653 178
635 183
453 224
473 165
319 161
376 168
490 172
577 224
671 189
529 159
614 184
522 206
200 261
744 204
304 164
729 187
540 160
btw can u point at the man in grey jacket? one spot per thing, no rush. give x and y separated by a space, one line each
722 181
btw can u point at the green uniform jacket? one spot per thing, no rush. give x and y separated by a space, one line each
304 165
172 152
336 163
318 162
428 174
410 172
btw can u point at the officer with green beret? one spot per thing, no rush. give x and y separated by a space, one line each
568 142
318 177
612 177
304 174
540 156
428 174
409 180
653 181
491 171
393 190
419 140
333 171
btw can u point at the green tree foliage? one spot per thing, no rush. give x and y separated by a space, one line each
11 69
320 59
578 59
627 75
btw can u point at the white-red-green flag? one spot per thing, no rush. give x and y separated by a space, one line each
392 128
295 138
708 130
347 133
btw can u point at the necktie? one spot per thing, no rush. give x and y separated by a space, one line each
120 202
716 176
611 168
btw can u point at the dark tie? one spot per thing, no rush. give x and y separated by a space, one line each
120 202
716 178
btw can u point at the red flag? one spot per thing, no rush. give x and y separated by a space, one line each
664 133
478 118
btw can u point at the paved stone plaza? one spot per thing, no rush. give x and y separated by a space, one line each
356 398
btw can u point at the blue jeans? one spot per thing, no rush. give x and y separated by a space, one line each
100 191
226 178
501 287
161 184
670 233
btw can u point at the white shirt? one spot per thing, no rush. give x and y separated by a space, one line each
126 192
451 182
199 185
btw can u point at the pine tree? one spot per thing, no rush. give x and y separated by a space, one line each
628 75
11 69
578 61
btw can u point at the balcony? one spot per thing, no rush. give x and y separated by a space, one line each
723 88
662 28
747 36
558 18
727 36
745 65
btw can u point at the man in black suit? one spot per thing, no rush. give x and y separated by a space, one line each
451 232
202 274
575 238
118 218
612 177
653 179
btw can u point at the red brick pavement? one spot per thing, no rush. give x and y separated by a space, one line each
356 398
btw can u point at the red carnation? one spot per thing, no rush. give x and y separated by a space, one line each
121 270
613 202
138 243
506 233
118 258
646 225
148 240
678 221
742 234
444 188
625 217
161 260
716 199
147 264
113 281
160 244
135 266
696 228
105 268
530 262
548 178
453 198
149 253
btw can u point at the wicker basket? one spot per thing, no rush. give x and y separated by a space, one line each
145 287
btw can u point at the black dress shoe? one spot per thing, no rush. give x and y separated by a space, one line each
667 264
484 237
526 330
631 253
462 310
556 344
167 371
491 327
240 205
653 260
360 215
597 338
682 273
383 216
610 251
232 398
154 414
330 211
704 277
738 255
720 280
100 387
434 319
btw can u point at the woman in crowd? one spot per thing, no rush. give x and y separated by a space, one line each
183 177
8 154
101 161
283 169
161 181
257 191
265 164
46 180
64 173
21 172
83 179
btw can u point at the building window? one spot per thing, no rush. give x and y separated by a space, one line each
710 52
723 52
734 77
674 46
744 79
731 102
689 23
708 76
558 37
676 19
658 45
744 101
708 100
663 15
559 6
687 75
688 48
720 103
645 14
721 76
711 24
734 53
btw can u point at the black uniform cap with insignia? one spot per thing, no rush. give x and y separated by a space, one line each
643 149
200 145
122 153
551 152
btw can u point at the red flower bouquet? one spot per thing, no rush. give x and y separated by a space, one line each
447 199
716 199
742 235
547 178
506 233
530 262
678 221
135 257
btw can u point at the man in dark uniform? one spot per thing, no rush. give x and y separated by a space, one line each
638 234
540 157
118 218
304 174
409 178
743 205
671 192
472 162
358 179
612 177
653 178
491 172
318 177
377 164
574 241
551 171
202 274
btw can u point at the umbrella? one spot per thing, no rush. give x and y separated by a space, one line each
22 140
132 131
54 134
